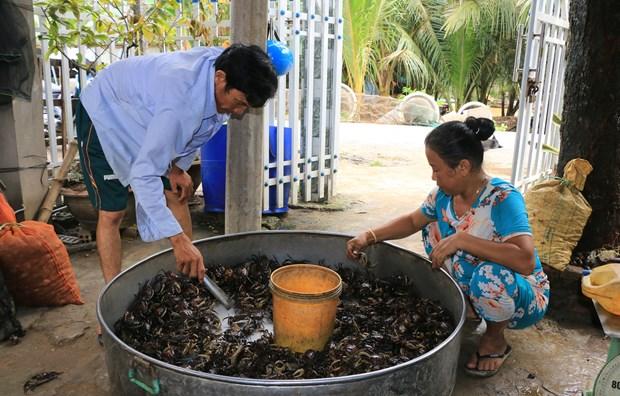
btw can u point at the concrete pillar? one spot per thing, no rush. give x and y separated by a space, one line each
244 172
23 155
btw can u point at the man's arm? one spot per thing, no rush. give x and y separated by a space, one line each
163 141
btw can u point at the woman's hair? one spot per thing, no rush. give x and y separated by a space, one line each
249 70
454 141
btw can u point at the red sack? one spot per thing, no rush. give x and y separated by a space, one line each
36 266
7 215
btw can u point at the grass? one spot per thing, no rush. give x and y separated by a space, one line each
501 127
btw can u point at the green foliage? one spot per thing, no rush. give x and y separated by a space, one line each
405 91
101 24
550 149
453 48
378 44
464 63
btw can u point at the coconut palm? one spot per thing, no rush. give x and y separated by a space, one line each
378 44
451 48
481 37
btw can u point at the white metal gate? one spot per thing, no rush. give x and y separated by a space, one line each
307 102
542 91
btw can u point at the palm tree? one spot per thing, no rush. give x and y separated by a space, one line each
451 48
377 45
424 24
481 37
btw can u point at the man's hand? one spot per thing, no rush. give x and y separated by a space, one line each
180 180
188 257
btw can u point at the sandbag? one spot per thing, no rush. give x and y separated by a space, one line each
603 285
558 213
36 265
7 215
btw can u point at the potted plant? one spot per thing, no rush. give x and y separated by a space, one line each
75 196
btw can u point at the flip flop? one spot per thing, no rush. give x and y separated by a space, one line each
489 373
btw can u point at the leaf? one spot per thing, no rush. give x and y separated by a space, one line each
148 35
52 29
557 119
72 38
70 24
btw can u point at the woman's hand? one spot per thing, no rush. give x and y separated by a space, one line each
356 245
445 248
181 180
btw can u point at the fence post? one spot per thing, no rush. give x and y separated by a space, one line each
245 137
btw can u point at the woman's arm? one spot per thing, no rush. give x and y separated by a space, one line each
398 228
401 227
516 253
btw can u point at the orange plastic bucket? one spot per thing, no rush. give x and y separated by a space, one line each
305 298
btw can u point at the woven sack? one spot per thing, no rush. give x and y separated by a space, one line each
36 266
558 213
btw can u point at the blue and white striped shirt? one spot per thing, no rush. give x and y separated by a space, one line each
150 112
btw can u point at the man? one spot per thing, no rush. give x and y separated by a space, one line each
150 114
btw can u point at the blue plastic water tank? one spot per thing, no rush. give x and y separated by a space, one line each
213 171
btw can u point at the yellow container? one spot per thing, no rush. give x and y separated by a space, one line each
305 298
603 285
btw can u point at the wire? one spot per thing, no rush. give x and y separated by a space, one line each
43 168
19 168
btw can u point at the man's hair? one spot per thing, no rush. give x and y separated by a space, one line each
249 70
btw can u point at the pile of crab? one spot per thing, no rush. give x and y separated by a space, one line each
380 323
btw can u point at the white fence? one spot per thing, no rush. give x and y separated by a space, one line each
542 92
307 101
313 31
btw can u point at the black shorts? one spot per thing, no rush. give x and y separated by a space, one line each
104 189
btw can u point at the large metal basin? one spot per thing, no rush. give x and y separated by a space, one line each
433 373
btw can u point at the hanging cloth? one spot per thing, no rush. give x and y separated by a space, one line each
16 53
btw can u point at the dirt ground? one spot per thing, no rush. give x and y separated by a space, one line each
383 173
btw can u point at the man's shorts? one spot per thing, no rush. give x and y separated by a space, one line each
104 189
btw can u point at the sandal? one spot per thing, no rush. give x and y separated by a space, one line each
488 373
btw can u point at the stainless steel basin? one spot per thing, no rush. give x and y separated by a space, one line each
434 373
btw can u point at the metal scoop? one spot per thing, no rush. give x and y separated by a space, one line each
217 292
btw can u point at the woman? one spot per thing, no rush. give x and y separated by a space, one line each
476 227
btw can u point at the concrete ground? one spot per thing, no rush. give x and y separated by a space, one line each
383 173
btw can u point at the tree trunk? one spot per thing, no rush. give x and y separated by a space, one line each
513 101
591 114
